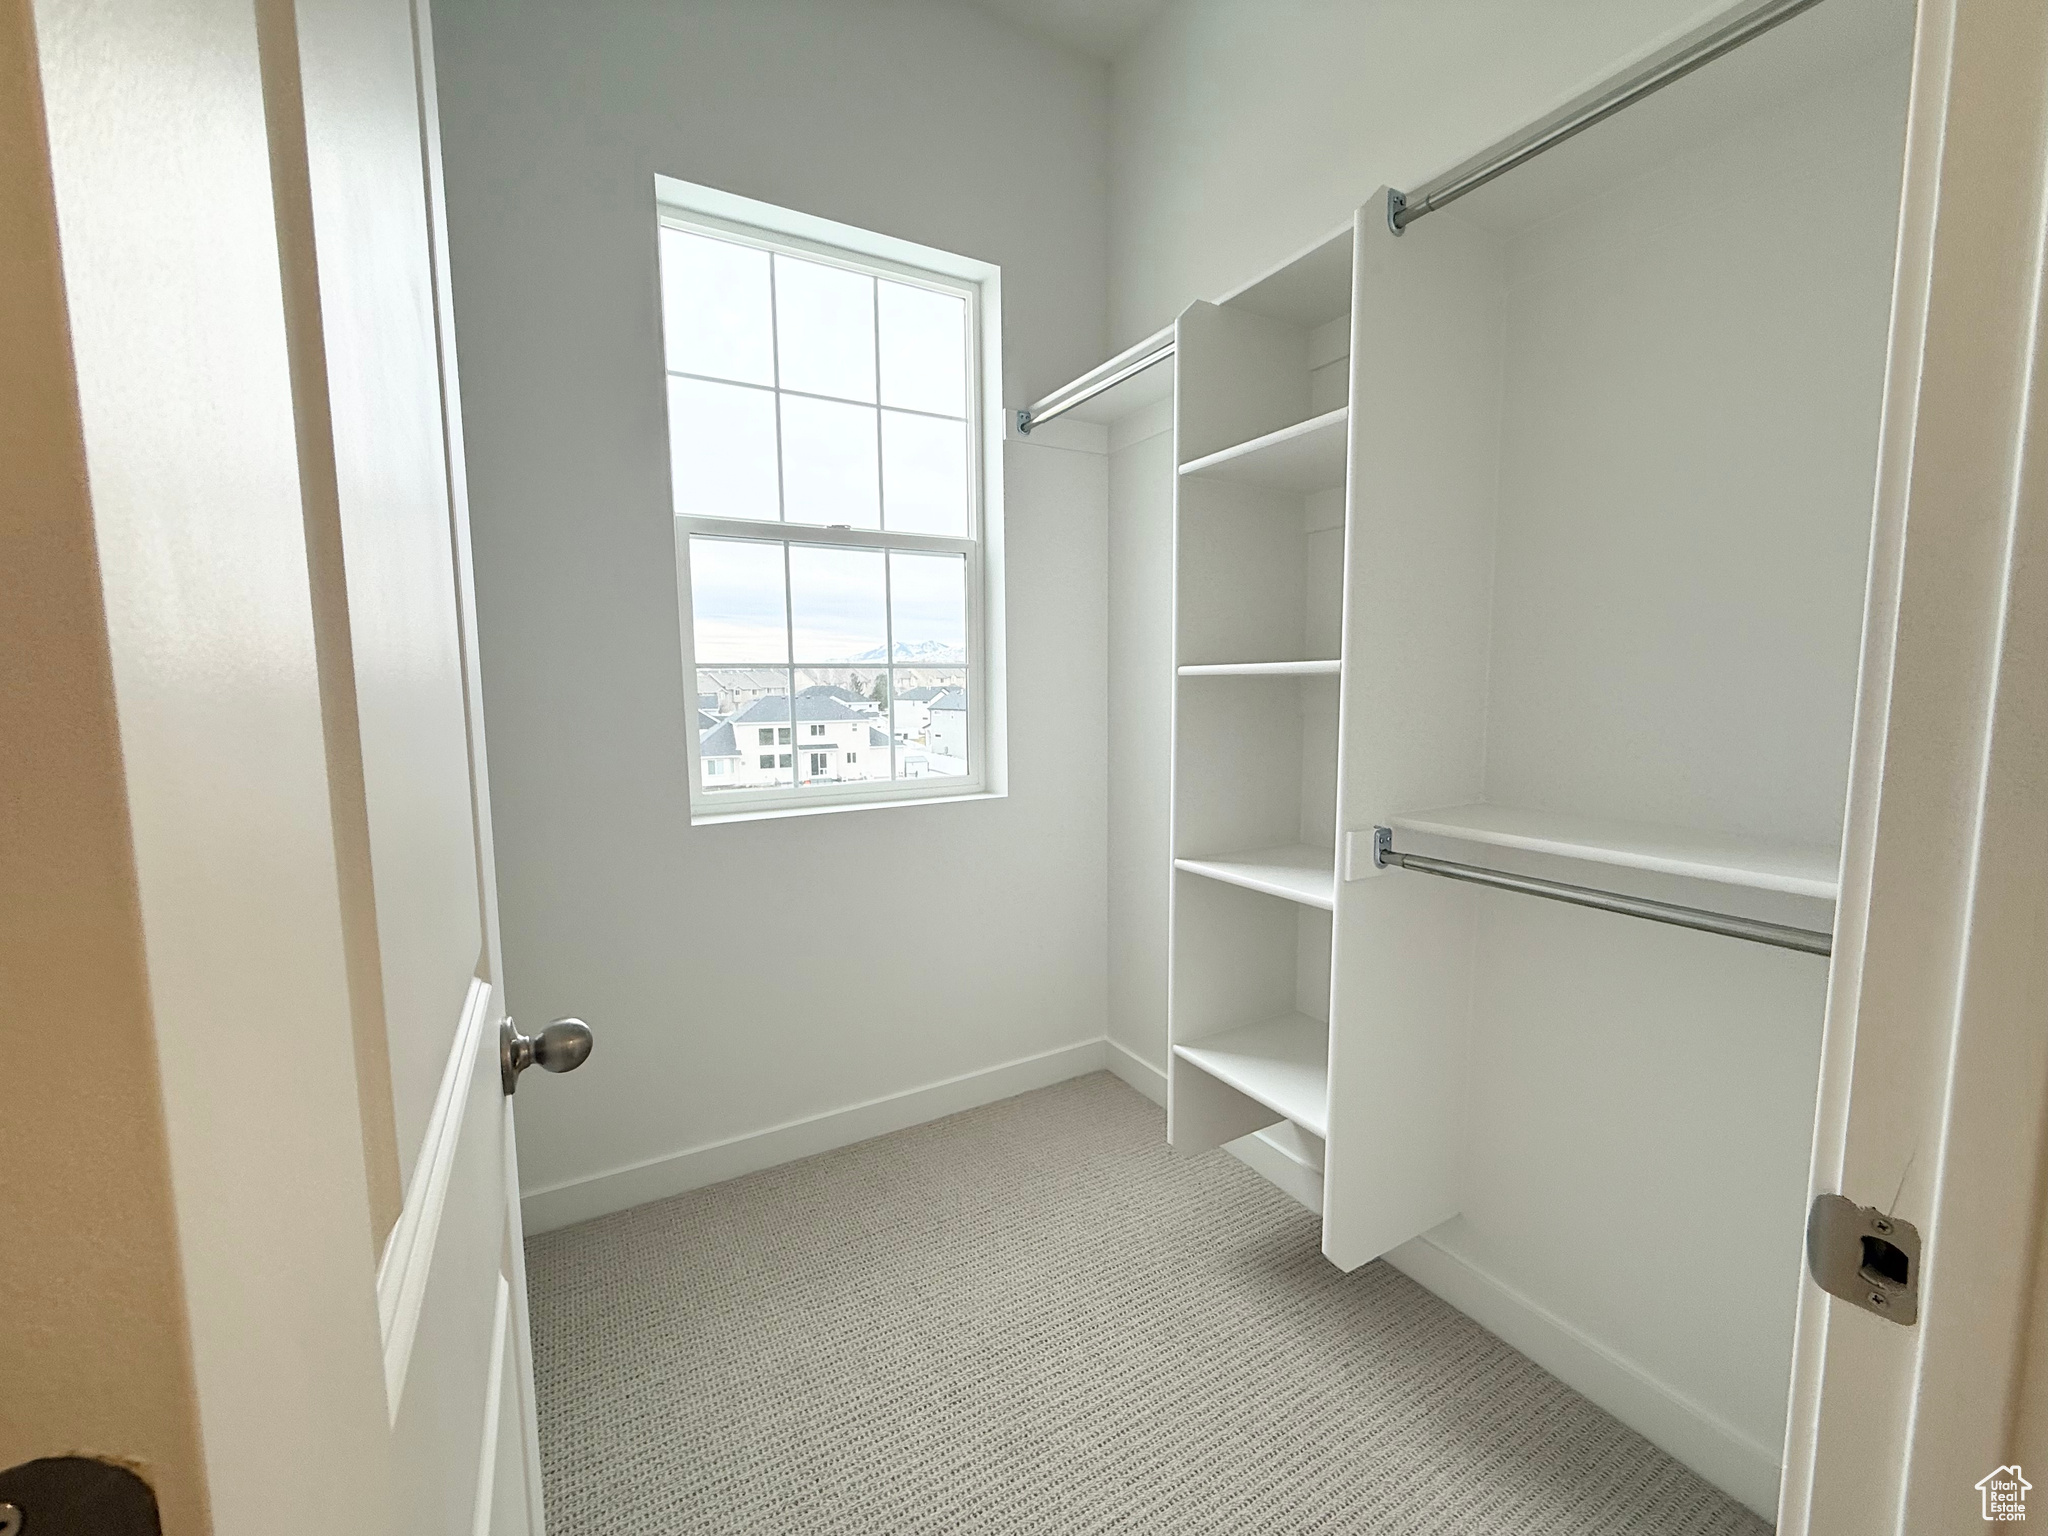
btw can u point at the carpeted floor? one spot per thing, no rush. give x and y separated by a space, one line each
1033 1318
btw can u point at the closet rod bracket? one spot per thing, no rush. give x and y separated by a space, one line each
1397 208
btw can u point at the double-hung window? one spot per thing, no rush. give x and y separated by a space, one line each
830 435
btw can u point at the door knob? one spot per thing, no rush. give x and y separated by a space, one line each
562 1047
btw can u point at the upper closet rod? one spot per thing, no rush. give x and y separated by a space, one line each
1154 349
1656 72
1809 941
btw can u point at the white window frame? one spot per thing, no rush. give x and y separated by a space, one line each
704 210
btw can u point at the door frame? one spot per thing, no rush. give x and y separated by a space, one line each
1934 1068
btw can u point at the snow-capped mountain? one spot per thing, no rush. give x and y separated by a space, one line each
924 652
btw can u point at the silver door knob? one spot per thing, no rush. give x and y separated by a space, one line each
562 1047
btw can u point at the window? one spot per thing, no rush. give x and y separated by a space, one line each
829 436
768 760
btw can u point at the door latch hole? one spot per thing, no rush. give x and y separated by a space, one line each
1884 1261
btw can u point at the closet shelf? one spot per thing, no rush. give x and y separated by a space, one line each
1800 869
1284 1063
1324 668
1297 873
1308 456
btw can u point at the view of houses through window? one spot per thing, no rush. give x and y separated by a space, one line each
857 725
823 473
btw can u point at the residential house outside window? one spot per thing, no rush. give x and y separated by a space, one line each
830 432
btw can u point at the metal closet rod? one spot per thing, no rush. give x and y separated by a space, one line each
1032 416
1808 941
1404 208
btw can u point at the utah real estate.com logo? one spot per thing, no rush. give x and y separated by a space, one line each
2005 1494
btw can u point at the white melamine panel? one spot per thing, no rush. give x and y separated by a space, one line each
1241 376
1283 1063
1295 872
1307 290
1260 574
1240 772
1425 394
1323 668
1308 456
1140 727
1240 593
1797 868
1233 956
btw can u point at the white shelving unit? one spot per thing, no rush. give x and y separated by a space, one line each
1261 428
1590 614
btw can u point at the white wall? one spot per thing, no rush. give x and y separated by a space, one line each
1242 132
744 976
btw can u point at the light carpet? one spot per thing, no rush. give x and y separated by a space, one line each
1033 1317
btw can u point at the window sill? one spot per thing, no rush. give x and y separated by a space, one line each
781 812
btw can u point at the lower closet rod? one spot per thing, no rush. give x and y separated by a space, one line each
1808 941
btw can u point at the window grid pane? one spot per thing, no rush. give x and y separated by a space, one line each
816 341
832 398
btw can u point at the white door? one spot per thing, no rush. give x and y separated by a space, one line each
237 221
1935 1060
369 307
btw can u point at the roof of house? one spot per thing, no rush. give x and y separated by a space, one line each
773 708
877 738
953 698
717 741
708 702
706 719
829 691
919 695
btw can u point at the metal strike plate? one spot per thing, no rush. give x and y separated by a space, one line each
1865 1257
75 1496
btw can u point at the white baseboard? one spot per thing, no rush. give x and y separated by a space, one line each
574 1200
1137 1071
1725 1456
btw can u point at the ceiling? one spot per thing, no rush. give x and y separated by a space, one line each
1098 28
